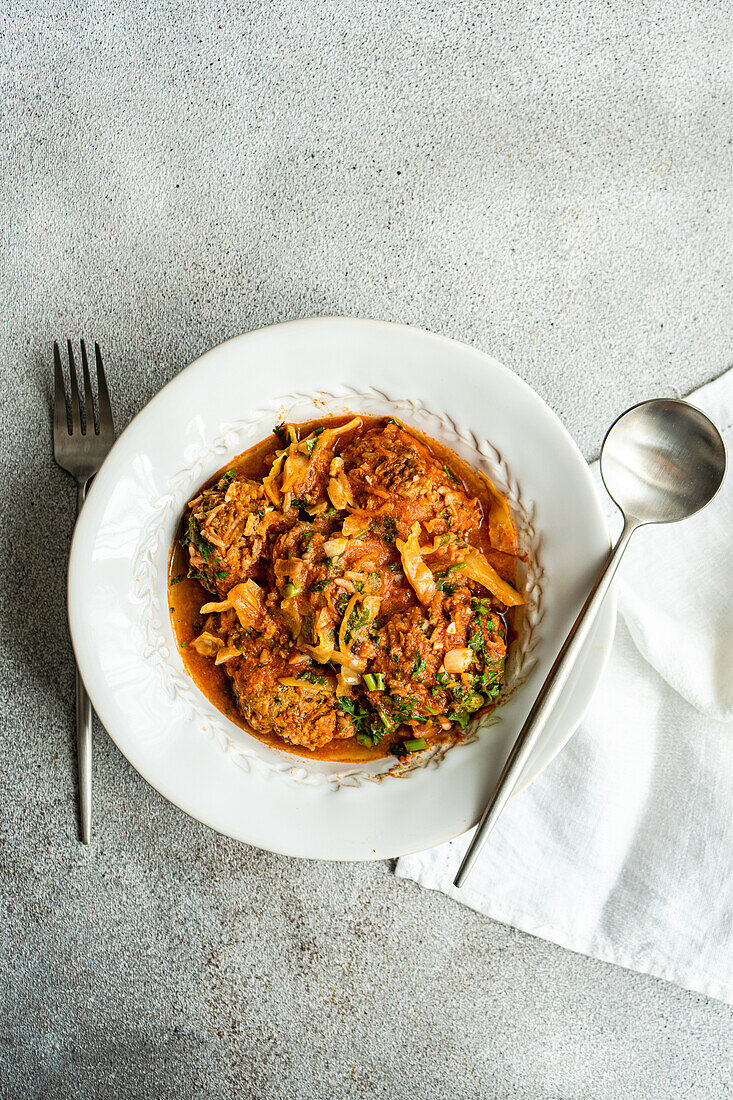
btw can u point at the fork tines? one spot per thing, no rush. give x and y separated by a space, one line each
71 414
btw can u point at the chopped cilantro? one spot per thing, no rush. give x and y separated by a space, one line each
402 708
180 577
418 667
192 534
311 677
279 431
365 720
441 575
357 619
311 440
318 586
451 475
341 602
221 574
228 476
385 527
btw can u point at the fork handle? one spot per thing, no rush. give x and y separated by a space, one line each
83 730
84 758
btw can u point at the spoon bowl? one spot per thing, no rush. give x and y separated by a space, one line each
662 461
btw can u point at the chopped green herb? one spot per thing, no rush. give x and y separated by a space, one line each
279 431
318 586
365 720
228 475
311 677
341 602
403 709
451 475
385 527
180 577
418 667
441 574
192 534
310 442
357 619
222 573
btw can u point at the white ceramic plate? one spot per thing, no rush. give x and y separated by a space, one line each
220 405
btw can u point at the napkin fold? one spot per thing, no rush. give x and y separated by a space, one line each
622 848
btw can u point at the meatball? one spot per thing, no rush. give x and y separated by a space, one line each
390 460
274 698
390 468
226 531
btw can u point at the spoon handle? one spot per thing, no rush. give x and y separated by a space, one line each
549 695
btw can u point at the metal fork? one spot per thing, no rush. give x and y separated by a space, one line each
81 441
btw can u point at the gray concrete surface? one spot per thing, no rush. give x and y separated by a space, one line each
546 181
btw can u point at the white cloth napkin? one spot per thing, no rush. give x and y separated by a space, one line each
623 847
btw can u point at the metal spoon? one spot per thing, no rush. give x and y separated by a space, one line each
661 462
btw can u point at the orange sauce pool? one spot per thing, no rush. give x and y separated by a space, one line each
186 596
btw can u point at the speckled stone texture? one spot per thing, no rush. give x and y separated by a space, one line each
547 181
